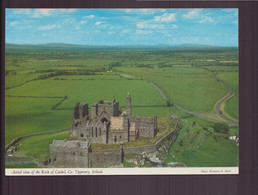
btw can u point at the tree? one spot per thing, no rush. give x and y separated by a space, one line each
168 103
221 127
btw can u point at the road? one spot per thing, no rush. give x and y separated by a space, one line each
218 106
195 113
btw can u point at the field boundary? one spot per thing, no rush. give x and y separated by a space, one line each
47 97
20 96
187 111
219 108
16 140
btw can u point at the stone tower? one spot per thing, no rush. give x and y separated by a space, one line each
128 104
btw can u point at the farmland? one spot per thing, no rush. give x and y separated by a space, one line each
43 83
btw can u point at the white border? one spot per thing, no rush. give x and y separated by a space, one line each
122 171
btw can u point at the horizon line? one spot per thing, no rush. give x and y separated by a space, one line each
160 44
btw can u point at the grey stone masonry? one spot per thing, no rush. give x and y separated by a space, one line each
78 154
69 153
106 124
128 104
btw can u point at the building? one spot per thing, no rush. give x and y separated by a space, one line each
106 123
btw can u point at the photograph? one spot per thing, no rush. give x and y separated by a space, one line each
122 90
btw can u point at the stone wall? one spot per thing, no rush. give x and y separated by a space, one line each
77 129
77 154
108 108
105 158
140 149
83 109
133 134
169 138
116 109
97 133
118 131
76 114
68 154
146 126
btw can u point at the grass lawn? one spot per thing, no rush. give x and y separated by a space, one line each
38 146
23 166
196 147
92 91
32 115
231 106
189 87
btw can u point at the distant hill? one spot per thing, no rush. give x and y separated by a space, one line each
9 46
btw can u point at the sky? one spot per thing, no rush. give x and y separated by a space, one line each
122 26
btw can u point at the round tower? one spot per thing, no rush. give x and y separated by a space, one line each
128 104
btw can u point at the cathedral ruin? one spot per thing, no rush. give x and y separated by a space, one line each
105 123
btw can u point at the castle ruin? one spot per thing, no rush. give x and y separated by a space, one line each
106 123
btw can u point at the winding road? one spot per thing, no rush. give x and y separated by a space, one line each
218 105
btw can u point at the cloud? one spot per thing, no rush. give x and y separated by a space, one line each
68 21
42 12
174 26
111 32
235 22
79 24
47 12
196 14
149 25
98 23
48 27
89 17
166 17
82 22
206 19
142 32
14 23
125 31
192 14
21 11
20 25
229 10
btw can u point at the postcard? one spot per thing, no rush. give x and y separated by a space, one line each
121 92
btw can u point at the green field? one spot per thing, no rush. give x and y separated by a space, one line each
191 88
38 146
232 104
196 147
32 115
35 114
43 85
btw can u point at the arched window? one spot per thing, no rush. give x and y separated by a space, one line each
81 135
115 139
91 131
100 131
96 129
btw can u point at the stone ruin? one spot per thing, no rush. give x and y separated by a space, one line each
106 123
